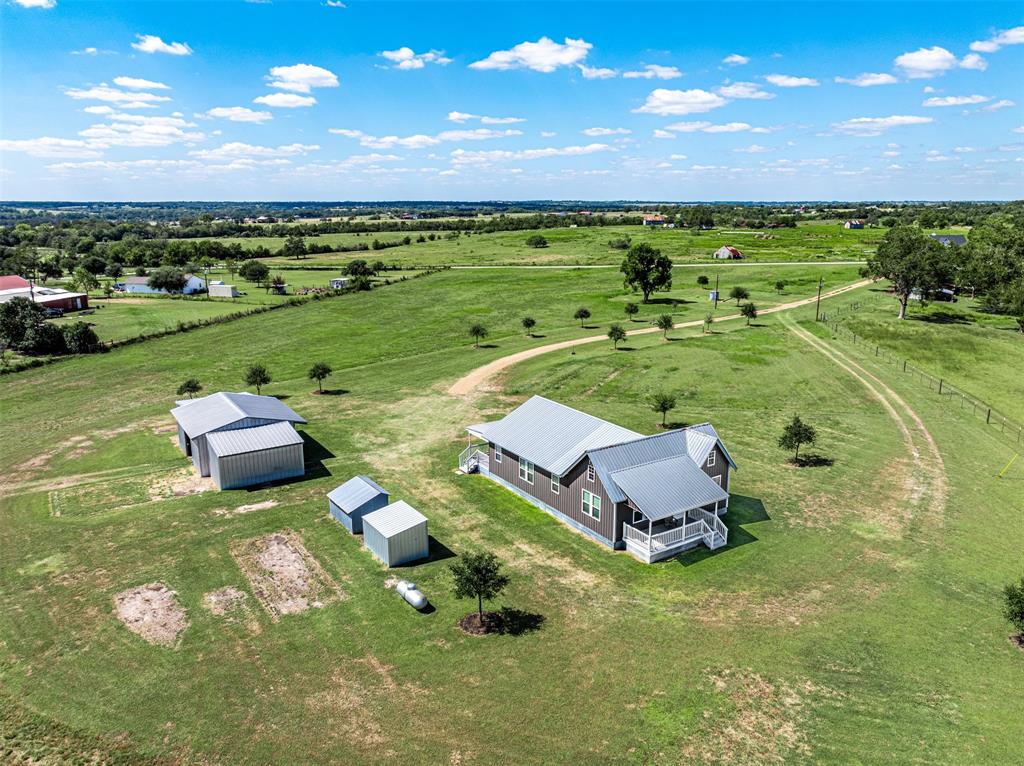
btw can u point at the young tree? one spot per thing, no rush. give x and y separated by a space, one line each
616 334
911 261
647 270
319 372
80 338
528 324
477 332
582 314
84 280
536 241
780 286
257 375
749 310
294 247
358 268
479 576
231 267
665 323
795 434
191 387
254 271
631 310
1013 605
703 281
17 318
663 403
708 320
739 293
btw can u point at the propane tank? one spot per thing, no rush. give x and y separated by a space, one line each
411 594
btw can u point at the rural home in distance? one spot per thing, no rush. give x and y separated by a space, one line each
728 252
854 224
13 286
654 496
240 439
141 286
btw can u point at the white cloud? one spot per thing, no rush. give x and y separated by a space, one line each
597 73
548 134
735 59
37 3
659 133
137 83
137 130
153 44
890 154
104 92
47 146
545 55
869 79
237 149
754 149
1013 36
606 131
463 157
744 90
954 100
652 71
284 100
704 126
874 126
789 81
973 61
99 109
1017 130
420 141
936 156
335 4
964 149
926 62
666 102
461 117
407 58
301 78
677 156
238 114
1002 103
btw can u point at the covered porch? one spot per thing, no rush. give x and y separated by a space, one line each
475 458
652 541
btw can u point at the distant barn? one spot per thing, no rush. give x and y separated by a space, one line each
727 252
855 223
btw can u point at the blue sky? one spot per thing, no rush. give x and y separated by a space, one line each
507 100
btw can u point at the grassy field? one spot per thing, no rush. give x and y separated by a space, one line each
589 245
852 618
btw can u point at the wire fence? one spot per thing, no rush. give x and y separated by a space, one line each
957 399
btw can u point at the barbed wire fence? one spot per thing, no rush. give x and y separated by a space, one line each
1011 430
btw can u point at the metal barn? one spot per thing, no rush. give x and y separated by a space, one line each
247 456
396 534
354 499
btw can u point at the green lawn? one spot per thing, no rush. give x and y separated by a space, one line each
845 623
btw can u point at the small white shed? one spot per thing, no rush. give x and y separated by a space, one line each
396 534
339 283
221 290
354 499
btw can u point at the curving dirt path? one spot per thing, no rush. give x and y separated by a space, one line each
929 469
468 383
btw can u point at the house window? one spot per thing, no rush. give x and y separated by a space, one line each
526 470
637 517
711 459
591 505
717 480
590 473
555 482
497 454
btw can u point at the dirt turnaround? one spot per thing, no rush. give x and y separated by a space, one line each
152 612
473 380
492 622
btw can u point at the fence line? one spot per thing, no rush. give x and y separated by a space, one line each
1007 427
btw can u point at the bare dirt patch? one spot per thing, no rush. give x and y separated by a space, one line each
473 625
246 508
179 484
152 612
284 576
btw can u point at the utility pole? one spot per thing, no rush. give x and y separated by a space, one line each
817 306
716 291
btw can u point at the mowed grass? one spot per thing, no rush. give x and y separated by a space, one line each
825 241
841 617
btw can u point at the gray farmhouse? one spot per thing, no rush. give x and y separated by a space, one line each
654 496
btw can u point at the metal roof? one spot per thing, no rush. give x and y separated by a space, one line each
355 493
691 443
668 487
394 519
200 416
550 434
242 440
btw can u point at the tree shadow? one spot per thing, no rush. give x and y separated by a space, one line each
625 348
674 424
813 461
743 510
436 551
537 335
516 622
332 392
940 317
486 345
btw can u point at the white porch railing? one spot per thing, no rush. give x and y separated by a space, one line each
716 524
707 528
472 458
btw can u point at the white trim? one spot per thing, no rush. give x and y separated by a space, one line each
711 458
497 454
591 473
637 520
526 470
556 482
594 504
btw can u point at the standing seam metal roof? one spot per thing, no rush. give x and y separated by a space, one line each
242 440
355 493
668 487
200 416
394 519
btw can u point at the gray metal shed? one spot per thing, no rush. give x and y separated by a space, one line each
247 456
354 499
396 534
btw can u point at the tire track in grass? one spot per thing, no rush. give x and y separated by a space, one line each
927 459
474 379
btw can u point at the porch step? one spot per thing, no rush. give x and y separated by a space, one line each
717 541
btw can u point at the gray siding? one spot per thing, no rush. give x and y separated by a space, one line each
569 500
251 468
353 522
720 468
409 545
201 451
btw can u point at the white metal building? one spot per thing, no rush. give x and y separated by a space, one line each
396 534
357 497
218 289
